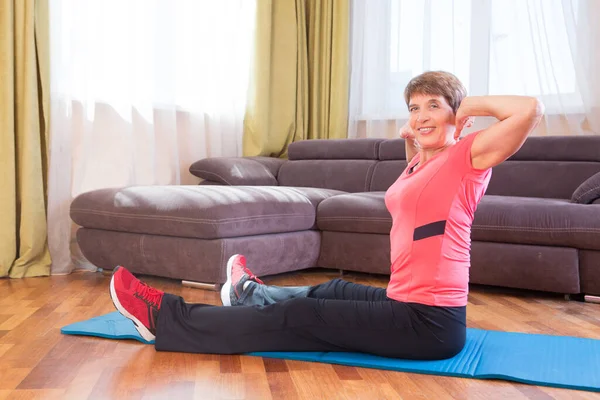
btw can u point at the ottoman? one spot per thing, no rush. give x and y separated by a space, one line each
189 232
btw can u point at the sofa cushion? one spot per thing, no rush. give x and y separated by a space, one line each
559 148
345 175
385 174
526 220
392 149
588 191
356 212
547 179
334 149
204 212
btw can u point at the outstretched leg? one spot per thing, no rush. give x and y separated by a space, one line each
385 328
244 288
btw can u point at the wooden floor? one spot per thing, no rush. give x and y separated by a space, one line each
36 361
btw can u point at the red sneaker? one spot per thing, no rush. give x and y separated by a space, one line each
237 275
136 301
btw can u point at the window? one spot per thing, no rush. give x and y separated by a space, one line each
195 54
493 46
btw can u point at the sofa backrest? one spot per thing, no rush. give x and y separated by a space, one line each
392 161
340 164
547 167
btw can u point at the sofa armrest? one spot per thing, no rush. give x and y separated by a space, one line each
234 171
588 192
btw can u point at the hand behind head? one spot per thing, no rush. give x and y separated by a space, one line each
406 132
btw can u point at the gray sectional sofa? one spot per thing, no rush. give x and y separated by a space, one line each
537 227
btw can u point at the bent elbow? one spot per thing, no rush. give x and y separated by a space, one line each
536 108
534 113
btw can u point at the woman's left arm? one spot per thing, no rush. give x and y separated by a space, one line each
517 117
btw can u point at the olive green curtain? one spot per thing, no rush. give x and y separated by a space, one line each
24 100
300 81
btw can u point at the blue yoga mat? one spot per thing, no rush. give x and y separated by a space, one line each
545 360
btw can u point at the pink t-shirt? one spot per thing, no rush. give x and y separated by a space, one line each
432 210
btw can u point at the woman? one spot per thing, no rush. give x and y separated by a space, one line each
422 313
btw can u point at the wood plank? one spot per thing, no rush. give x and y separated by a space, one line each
347 373
275 365
282 386
230 364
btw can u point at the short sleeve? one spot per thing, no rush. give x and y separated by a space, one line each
463 149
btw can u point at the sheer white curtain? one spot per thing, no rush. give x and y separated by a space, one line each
140 89
542 48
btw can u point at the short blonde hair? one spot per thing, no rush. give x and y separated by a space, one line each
437 83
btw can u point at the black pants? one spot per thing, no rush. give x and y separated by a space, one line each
333 316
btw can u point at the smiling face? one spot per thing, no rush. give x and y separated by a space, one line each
432 120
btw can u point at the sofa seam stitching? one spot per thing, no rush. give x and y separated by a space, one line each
372 175
186 219
142 247
367 176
